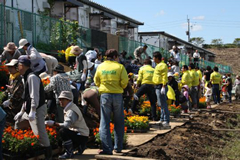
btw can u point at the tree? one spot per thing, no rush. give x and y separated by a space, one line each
217 42
237 41
198 41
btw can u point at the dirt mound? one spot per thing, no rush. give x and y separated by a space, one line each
200 138
228 56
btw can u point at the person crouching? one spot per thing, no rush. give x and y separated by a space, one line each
73 131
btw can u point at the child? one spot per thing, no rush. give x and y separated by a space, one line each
208 94
183 99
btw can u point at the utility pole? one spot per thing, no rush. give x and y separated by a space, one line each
188 31
4 22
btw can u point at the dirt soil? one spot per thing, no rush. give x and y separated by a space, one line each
196 138
228 56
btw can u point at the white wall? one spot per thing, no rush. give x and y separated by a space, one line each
26 5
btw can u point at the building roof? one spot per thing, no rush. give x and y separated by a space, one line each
110 11
175 38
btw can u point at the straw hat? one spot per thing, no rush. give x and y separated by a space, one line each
76 50
10 47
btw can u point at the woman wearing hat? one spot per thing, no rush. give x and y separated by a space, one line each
79 74
13 95
10 52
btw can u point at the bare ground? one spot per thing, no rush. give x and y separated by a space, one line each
228 56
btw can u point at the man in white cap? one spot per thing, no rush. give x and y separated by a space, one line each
37 62
34 108
73 131
10 52
14 91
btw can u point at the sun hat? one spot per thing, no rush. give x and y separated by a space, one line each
22 43
44 75
66 94
170 74
24 60
10 47
185 86
76 50
12 63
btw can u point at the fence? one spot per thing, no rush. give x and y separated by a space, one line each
49 35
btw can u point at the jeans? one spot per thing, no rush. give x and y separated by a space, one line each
162 102
111 103
2 125
216 93
230 96
150 91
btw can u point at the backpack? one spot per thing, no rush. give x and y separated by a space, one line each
182 98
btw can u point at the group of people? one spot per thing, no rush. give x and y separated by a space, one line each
107 86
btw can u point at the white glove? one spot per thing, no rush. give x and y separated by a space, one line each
49 122
135 97
83 77
6 103
163 90
32 115
18 116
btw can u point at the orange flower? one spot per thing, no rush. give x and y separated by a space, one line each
2 87
37 136
3 141
94 133
32 144
97 129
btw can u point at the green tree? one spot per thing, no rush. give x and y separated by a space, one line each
217 42
237 41
197 41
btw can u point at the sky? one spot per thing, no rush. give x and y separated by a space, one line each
209 19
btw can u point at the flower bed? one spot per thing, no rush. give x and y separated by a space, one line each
98 140
24 142
145 108
137 123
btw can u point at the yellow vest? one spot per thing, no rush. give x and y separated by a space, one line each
111 77
195 77
186 79
160 74
145 75
199 74
68 53
216 78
